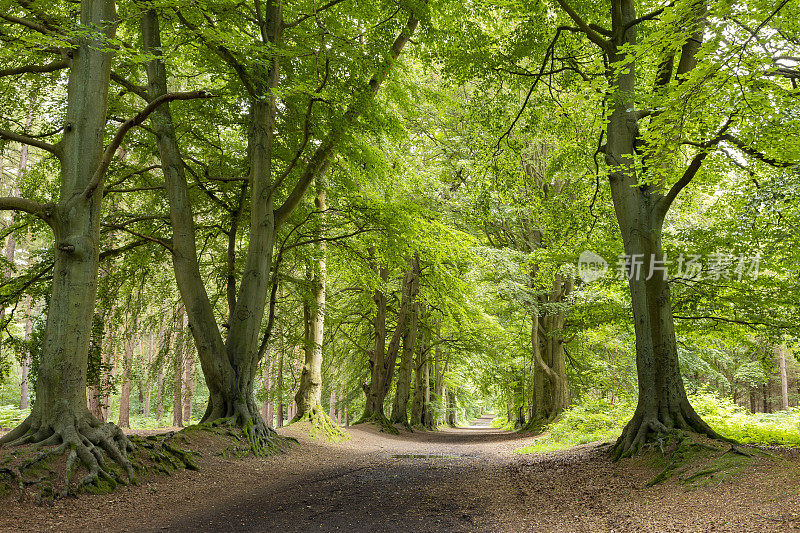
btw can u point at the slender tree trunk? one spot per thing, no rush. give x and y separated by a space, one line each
26 363
780 352
427 413
279 393
309 394
188 385
403 390
267 408
177 379
127 368
418 401
149 387
451 408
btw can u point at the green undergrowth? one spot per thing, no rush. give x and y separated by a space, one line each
11 416
501 422
600 420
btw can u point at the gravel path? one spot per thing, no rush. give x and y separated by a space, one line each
456 480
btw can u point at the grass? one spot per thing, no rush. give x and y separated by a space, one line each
599 420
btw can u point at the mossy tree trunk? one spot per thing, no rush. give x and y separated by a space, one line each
399 413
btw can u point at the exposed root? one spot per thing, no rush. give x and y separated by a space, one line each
322 423
647 429
85 441
252 434
381 421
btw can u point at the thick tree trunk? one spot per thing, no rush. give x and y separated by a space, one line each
640 209
230 369
60 414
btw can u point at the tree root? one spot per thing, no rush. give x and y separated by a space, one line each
253 436
642 430
380 420
85 441
320 421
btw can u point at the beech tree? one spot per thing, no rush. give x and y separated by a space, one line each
60 414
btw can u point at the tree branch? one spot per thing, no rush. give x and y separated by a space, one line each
666 201
593 36
15 203
755 153
35 69
138 90
303 18
54 149
320 160
137 119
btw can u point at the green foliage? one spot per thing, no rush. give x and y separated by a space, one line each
733 421
11 415
599 420
593 420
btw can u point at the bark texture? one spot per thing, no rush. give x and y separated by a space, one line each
60 414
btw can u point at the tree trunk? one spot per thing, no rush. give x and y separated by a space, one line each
780 352
383 359
266 409
149 386
451 408
418 401
279 393
309 394
177 378
640 209
403 389
188 384
427 414
26 363
127 368
230 368
60 414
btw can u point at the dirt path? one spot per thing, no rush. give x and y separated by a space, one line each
465 479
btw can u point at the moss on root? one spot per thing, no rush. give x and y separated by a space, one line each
251 437
380 420
321 426
696 460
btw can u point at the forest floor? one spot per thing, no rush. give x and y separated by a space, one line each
465 479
